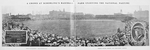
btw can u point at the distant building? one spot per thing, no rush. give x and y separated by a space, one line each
6 17
59 14
20 17
142 15
123 14
79 13
89 16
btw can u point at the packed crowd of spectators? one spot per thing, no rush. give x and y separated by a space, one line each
38 38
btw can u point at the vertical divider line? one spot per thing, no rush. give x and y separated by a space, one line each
72 22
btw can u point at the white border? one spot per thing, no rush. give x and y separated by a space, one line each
22 2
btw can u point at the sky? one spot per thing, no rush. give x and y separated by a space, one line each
34 9
20 7
110 9
87 9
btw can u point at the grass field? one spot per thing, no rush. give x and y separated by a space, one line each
97 28
59 27
83 28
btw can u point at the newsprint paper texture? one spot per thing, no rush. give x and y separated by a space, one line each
74 24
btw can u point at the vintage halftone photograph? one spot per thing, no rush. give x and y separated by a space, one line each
75 25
